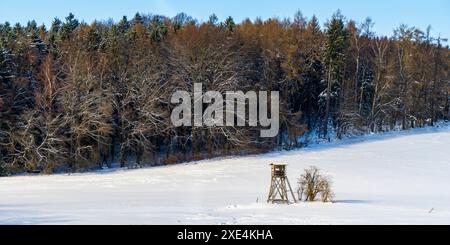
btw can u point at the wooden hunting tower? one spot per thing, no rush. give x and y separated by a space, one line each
279 183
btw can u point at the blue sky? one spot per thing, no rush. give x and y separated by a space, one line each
387 14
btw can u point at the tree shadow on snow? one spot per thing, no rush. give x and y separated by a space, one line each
352 201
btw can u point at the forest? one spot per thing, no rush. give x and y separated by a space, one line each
76 96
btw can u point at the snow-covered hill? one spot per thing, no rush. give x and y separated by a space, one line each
396 178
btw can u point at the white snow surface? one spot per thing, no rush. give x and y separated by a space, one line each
393 178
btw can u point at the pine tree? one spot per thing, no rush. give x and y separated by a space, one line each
229 24
157 30
70 24
313 71
334 60
213 20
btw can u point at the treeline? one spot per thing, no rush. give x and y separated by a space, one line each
79 96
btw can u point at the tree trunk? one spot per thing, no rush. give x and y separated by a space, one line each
327 108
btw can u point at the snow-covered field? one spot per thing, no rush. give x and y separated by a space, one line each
396 178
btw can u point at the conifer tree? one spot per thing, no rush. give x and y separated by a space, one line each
334 60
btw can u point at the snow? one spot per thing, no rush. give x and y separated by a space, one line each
394 178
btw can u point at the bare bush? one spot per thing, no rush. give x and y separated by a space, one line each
312 183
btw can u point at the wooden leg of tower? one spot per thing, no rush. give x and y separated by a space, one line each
281 190
290 188
286 197
282 196
270 197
